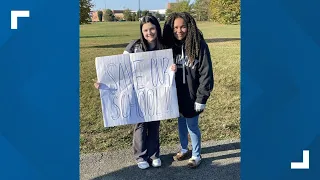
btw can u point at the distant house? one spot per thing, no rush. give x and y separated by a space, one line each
94 16
162 13
118 14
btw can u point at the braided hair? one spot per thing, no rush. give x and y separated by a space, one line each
193 37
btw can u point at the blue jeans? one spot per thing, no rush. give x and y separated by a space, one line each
190 125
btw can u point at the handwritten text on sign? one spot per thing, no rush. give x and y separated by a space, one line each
137 87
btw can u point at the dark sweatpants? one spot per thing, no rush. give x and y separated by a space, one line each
146 141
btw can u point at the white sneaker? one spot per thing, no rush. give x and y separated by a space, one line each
156 162
194 162
143 165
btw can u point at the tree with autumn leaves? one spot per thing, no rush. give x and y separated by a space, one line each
222 11
225 11
85 8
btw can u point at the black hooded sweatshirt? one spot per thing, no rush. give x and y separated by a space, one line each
194 81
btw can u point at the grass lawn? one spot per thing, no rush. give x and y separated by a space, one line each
221 119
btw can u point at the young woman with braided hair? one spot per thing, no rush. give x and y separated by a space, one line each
194 79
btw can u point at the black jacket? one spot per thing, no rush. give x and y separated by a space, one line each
134 46
195 82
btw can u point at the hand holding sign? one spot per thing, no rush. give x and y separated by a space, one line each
137 87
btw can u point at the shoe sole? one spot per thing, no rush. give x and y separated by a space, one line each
184 157
156 166
143 168
192 166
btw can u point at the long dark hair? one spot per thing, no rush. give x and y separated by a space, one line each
150 19
193 38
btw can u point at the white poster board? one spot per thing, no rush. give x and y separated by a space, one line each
137 87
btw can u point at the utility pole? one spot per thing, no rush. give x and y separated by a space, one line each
139 11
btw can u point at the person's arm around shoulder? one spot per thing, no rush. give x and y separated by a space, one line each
206 79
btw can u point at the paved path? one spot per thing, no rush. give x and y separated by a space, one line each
220 161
